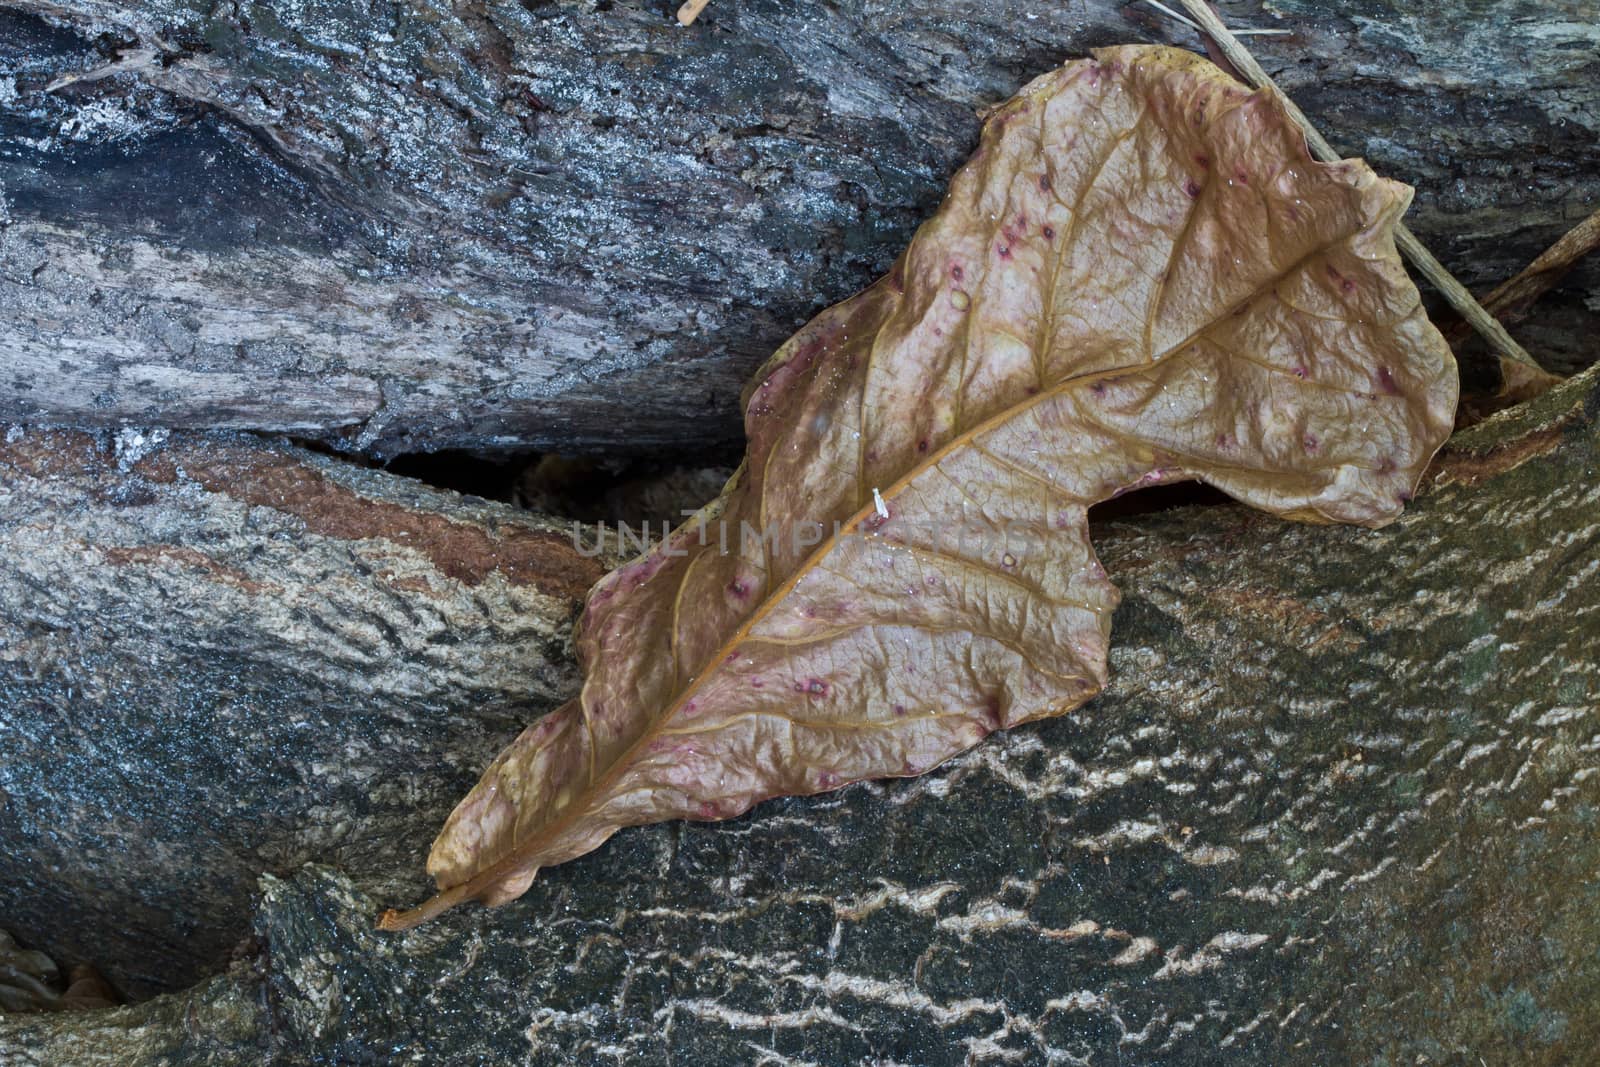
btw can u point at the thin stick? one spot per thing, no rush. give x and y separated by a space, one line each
691 11
1176 17
1511 298
1430 268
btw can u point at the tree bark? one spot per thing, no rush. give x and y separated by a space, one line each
1336 805
578 226
220 657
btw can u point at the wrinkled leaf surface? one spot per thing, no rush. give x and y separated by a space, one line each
1141 276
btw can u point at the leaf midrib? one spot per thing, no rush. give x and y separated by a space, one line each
517 856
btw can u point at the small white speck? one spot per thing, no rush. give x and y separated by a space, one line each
877 501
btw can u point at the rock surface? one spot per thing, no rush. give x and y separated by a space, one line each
1337 806
573 224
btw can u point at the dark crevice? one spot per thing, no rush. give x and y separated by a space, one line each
606 487
492 477
1156 499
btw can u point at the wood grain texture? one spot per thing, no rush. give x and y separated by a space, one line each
422 225
1337 803
213 652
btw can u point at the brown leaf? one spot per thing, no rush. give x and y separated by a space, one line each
1141 276
88 991
30 981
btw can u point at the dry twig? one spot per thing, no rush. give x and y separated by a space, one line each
1237 32
1511 298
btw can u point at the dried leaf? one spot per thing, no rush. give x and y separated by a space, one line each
1141 276
30 981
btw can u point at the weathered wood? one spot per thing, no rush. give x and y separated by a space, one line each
1338 802
221 658
1337 805
427 224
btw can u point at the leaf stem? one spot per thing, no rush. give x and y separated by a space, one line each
1430 268
395 920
